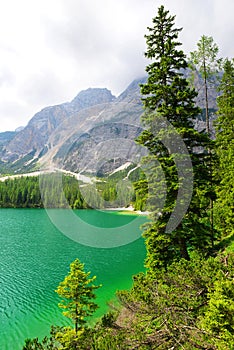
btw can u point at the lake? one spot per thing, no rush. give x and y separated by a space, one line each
37 247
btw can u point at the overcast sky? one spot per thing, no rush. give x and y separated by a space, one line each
52 49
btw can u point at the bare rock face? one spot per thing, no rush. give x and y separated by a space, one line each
33 138
103 149
98 135
91 97
6 137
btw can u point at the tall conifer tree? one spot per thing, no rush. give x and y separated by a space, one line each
225 150
205 60
167 97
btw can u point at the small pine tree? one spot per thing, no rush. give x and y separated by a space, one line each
77 291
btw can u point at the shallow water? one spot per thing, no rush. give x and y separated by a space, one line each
35 257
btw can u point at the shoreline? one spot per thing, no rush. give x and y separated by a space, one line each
128 210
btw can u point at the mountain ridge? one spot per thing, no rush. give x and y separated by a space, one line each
55 136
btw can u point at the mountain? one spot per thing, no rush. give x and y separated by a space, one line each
32 139
94 131
96 135
6 137
57 134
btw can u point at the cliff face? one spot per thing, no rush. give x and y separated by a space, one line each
103 149
102 133
61 135
95 130
33 138
6 137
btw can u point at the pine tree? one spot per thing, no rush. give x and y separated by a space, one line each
206 62
218 319
208 65
225 150
168 118
77 291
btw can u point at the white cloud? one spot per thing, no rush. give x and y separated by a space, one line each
52 49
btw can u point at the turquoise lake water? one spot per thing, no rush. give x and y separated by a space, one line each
35 256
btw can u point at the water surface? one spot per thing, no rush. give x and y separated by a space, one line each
35 256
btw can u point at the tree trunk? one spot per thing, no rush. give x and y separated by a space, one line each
183 249
206 100
76 321
209 151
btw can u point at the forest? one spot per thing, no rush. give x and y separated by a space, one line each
63 191
185 299
25 192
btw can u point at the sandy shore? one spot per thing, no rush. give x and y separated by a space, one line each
128 210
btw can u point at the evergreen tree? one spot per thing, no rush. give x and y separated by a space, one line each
168 100
225 150
219 316
205 61
208 65
77 291
189 306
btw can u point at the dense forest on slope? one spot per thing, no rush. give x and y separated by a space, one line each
185 299
62 191
25 192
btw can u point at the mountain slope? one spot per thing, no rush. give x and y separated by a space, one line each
33 138
94 125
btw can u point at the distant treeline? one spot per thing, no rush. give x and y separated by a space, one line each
62 191
32 192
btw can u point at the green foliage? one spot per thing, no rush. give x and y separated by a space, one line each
224 208
26 192
46 344
185 300
108 319
141 193
62 191
188 306
170 305
77 291
32 344
115 191
20 192
205 58
219 316
167 97
67 338
205 61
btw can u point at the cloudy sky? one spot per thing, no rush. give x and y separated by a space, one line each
52 49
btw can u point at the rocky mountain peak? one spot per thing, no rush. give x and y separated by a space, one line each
91 97
132 93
